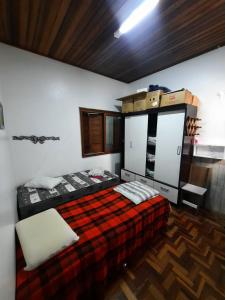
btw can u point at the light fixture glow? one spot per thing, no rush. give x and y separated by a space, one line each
136 16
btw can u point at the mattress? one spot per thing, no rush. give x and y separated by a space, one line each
75 185
111 228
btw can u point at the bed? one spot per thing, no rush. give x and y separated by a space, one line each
111 229
75 185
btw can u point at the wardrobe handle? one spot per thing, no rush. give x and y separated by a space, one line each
131 144
178 150
164 189
144 181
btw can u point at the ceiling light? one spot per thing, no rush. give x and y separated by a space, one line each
136 16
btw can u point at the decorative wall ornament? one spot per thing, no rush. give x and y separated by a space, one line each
2 126
35 139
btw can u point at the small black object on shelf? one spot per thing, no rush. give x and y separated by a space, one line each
157 87
35 139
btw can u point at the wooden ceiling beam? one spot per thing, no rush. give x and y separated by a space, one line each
80 33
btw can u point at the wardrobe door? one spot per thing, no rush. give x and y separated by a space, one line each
136 143
170 126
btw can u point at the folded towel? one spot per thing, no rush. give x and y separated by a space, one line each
136 191
151 140
150 157
150 172
156 87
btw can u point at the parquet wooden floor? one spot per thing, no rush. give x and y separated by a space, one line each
187 261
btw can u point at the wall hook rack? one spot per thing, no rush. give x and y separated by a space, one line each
35 139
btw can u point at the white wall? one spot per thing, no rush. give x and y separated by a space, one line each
7 219
205 77
42 97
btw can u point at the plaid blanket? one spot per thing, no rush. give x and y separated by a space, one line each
110 227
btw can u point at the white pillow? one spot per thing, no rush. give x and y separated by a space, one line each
96 172
42 236
44 183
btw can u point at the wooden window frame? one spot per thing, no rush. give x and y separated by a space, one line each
105 113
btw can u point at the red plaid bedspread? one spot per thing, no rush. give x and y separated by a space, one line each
110 227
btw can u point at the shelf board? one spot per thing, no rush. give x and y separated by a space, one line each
132 96
194 189
160 109
209 151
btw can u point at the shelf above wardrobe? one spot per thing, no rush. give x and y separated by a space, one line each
162 109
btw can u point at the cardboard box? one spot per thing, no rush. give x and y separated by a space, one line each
153 99
128 105
195 101
140 102
178 97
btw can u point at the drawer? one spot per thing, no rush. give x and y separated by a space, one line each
127 176
170 193
144 180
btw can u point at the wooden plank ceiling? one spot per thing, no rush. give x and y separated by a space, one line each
80 33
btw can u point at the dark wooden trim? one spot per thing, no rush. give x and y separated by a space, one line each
81 133
182 147
109 112
104 132
99 153
105 113
93 154
190 111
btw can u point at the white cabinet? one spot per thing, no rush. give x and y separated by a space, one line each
170 127
127 176
170 193
135 143
145 180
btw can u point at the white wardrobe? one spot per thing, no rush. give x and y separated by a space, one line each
135 143
170 128
169 136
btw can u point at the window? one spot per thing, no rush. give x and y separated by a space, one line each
100 132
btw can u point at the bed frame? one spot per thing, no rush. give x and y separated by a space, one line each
73 186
